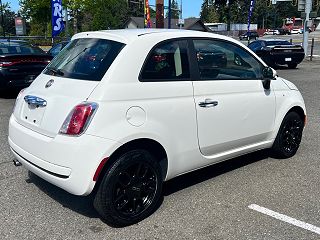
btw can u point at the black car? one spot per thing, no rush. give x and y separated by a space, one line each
20 63
278 52
249 35
211 61
57 48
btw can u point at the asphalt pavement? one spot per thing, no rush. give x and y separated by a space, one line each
252 197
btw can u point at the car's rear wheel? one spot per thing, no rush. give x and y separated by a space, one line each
292 65
289 136
130 190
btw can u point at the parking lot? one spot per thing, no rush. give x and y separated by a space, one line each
251 197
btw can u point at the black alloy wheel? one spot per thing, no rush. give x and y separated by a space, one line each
134 190
289 136
130 190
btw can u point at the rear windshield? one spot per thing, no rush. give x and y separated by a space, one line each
85 59
8 48
275 43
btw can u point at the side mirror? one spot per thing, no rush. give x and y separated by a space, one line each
268 74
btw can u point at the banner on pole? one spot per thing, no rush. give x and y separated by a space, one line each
57 20
147 21
250 13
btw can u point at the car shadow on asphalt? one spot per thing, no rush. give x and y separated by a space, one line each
210 172
84 204
80 204
9 94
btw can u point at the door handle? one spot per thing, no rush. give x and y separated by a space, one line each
208 103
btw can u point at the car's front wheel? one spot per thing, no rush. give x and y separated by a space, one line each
289 136
130 190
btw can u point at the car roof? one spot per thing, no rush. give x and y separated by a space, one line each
129 35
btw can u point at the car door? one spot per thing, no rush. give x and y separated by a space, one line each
234 110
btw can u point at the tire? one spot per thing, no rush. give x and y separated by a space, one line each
289 136
292 65
130 190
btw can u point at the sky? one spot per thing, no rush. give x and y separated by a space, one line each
190 8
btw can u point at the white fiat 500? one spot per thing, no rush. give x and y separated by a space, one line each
119 112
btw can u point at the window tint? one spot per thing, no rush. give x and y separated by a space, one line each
274 43
19 48
85 59
168 61
55 50
254 46
222 60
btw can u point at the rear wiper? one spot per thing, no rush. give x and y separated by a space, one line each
56 72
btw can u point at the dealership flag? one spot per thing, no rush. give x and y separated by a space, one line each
57 20
147 20
250 13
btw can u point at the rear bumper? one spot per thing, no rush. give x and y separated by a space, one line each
67 162
282 59
9 78
7 83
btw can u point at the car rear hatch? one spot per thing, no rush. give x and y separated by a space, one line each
44 109
22 69
67 81
287 50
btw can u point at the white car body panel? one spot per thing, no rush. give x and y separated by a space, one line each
235 122
166 112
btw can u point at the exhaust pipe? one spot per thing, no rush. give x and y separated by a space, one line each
16 163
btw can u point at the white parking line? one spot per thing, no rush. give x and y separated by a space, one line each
285 218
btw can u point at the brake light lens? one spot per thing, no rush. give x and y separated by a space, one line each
6 64
78 119
14 61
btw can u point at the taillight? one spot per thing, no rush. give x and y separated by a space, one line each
78 119
5 64
23 60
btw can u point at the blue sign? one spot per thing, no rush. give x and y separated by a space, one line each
57 20
250 13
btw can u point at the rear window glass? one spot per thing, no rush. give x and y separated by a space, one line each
85 59
275 43
18 48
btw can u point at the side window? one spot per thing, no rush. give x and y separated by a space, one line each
168 61
222 60
56 49
255 46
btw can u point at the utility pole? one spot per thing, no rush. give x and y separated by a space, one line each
180 20
67 23
159 14
169 15
308 6
228 16
2 20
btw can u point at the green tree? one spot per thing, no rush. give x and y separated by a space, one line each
8 20
38 12
175 11
264 14
136 8
106 14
